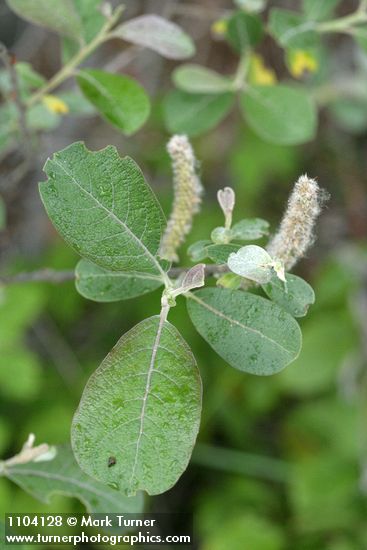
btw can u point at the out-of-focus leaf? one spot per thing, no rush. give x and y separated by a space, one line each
280 114
20 373
62 475
350 114
251 333
251 5
103 207
200 80
250 230
39 117
77 104
119 99
158 34
194 114
197 251
317 11
98 284
53 14
327 340
295 296
2 215
244 31
146 396
292 29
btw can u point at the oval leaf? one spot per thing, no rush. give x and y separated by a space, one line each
158 34
219 253
295 297
193 114
280 114
62 475
197 79
119 99
141 407
53 14
244 31
292 29
250 229
98 284
252 262
102 206
249 332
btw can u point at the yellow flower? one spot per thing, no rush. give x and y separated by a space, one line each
55 104
259 73
219 27
301 62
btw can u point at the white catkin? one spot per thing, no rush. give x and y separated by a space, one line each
187 196
296 231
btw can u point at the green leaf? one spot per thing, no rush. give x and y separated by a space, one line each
141 407
194 114
249 332
244 31
251 5
318 11
252 262
200 80
98 284
92 20
197 251
119 99
62 475
26 385
104 209
250 229
295 297
292 30
280 114
219 253
53 14
39 117
158 34
2 214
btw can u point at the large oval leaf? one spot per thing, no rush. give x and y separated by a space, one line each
102 206
120 99
141 411
158 34
280 114
98 284
248 331
62 475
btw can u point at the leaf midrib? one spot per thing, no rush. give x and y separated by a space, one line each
115 218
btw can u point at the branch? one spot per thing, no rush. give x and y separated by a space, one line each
56 277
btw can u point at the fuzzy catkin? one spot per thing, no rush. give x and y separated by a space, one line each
295 234
187 196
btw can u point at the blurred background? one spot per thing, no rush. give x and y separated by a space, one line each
281 461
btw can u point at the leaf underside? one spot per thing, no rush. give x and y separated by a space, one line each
141 407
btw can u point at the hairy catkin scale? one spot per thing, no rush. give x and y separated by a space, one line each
187 196
295 234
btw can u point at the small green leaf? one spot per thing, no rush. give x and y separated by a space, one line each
292 30
280 114
230 280
158 34
194 114
200 80
249 332
219 253
62 475
252 262
318 11
295 297
98 284
119 99
142 407
197 251
250 229
221 235
102 206
53 14
92 20
244 31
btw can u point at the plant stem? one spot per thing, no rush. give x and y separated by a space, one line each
239 462
68 69
241 73
343 23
